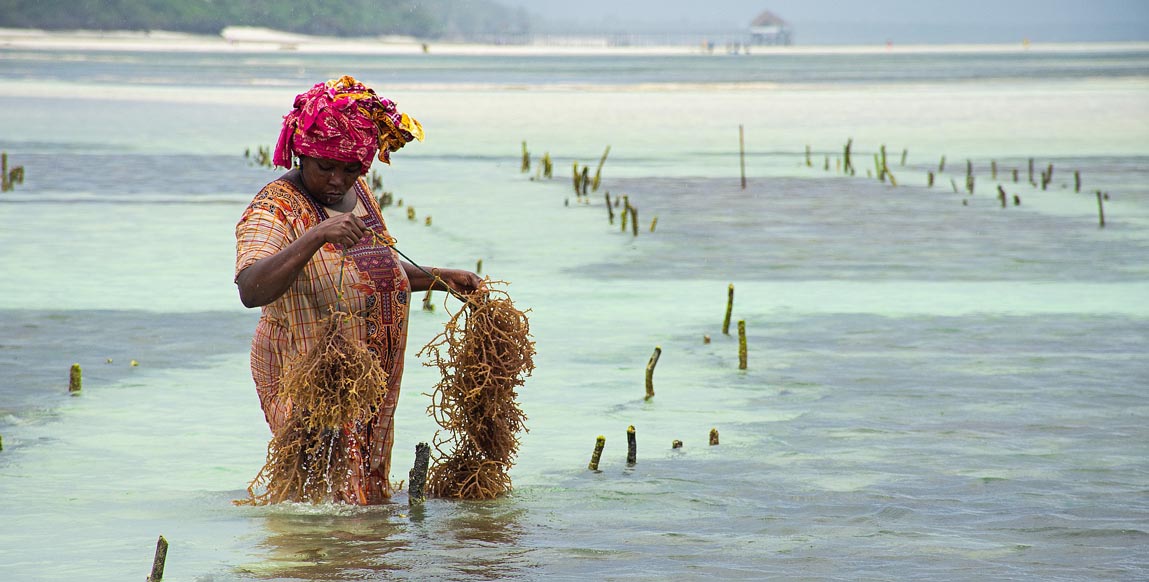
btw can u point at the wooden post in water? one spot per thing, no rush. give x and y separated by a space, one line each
741 344
585 179
993 169
417 477
650 364
742 155
1077 180
930 183
942 165
713 437
849 166
634 220
676 444
526 158
625 213
575 178
599 443
904 153
1015 175
631 447
75 380
4 186
609 210
729 309
1031 172
479 267
598 172
159 560
653 223
1100 209
1001 195
427 305
808 164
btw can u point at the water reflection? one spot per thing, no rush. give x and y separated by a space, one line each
440 540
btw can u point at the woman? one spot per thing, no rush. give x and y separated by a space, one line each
309 245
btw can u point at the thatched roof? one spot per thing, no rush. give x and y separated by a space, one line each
768 18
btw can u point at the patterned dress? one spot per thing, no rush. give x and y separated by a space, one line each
375 287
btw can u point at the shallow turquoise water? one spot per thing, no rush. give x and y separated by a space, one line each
935 390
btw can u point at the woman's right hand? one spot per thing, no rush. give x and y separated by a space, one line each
344 229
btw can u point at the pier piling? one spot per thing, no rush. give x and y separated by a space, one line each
599 443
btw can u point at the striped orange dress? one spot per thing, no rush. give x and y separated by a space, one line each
374 286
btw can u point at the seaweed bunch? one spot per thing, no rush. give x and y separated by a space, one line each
483 354
335 383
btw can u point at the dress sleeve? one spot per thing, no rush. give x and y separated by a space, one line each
264 229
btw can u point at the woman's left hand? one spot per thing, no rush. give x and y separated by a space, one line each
463 282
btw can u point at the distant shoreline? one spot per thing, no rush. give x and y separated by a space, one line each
248 40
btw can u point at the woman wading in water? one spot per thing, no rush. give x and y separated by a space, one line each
309 245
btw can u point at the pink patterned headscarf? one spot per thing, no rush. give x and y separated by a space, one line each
344 120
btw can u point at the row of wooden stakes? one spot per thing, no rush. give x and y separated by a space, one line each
632 447
881 169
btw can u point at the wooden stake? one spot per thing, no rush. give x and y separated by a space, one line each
158 562
427 305
849 166
631 447
676 444
1015 175
653 223
599 443
741 344
729 309
526 158
479 267
1077 180
1031 171
585 179
609 210
634 220
1001 195
713 437
1100 209
904 153
808 164
417 477
650 371
742 155
598 172
74 379
931 180
625 215
942 165
993 169
576 178
705 338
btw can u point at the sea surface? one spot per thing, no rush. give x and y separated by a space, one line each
939 386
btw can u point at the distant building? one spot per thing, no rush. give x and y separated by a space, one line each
768 28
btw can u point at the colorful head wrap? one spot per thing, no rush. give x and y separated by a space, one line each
344 120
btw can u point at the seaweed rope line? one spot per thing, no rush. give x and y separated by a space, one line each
389 241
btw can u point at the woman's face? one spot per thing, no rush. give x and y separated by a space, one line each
328 180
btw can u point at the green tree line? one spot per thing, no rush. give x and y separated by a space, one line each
421 18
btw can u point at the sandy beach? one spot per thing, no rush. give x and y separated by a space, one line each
261 40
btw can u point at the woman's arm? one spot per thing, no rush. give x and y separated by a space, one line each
269 278
462 282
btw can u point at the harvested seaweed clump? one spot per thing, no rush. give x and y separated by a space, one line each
484 354
336 383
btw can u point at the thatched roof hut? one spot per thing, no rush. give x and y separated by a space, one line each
769 28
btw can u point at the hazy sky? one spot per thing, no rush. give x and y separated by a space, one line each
866 21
